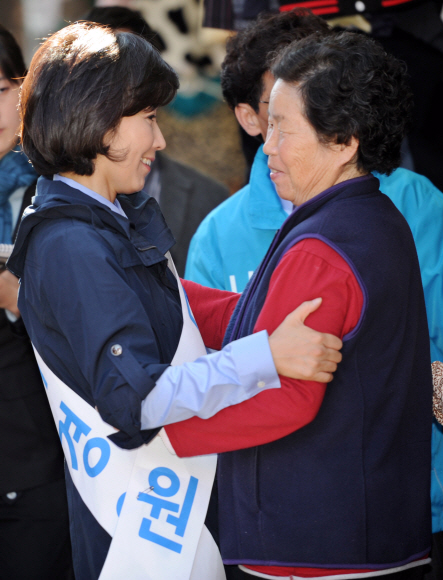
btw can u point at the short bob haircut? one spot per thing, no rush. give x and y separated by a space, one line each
351 88
120 17
251 52
11 59
81 82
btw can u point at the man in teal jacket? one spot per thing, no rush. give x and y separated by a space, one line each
232 240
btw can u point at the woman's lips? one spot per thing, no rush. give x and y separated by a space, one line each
275 174
146 162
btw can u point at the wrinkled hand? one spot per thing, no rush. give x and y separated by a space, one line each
9 292
302 353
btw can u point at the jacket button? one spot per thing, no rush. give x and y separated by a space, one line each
116 349
12 495
261 384
360 6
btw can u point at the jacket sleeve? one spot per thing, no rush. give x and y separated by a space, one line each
204 263
80 292
309 270
421 203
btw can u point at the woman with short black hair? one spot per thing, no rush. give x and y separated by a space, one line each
104 308
88 92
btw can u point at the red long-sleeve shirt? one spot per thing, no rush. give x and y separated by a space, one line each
309 270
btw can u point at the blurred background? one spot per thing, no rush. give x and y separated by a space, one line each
199 128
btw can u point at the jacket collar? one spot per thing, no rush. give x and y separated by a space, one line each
145 227
358 186
264 205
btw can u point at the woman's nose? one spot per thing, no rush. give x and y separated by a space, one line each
270 145
159 142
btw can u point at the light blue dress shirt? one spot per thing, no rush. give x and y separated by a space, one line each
114 206
204 387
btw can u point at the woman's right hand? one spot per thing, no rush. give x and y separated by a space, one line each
299 352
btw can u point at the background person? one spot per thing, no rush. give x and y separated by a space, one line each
232 240
34 527
97 297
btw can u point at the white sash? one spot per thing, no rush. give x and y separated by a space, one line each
150 501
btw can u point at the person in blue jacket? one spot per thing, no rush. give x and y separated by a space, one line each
98 299
233 239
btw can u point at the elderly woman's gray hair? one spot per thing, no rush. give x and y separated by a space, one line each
351 88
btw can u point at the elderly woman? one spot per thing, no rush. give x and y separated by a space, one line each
107 316
330 481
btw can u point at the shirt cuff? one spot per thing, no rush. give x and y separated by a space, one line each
255 365
10 316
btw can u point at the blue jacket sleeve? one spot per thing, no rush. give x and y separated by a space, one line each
421 203
82 306
204 263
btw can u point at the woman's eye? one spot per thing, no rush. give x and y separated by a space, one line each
3 89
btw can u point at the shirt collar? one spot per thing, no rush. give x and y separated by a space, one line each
116 207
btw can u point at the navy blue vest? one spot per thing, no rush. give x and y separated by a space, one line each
351 489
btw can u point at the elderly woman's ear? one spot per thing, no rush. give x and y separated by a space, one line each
347 151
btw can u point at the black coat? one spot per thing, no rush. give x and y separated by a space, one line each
186 198
30 450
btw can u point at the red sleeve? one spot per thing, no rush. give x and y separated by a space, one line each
309 270
212 310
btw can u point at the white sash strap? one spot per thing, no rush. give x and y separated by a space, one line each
151 502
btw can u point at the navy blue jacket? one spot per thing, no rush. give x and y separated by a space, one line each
351 489
71 254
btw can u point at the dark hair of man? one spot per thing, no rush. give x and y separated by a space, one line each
81 82
120 17
251 52
11 58
351 88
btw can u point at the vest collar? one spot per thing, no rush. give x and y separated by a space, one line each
350 188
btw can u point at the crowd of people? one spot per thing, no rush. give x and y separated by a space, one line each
268 415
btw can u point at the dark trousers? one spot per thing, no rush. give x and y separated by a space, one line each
434 571
34 534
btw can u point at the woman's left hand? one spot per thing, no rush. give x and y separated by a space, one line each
9 292
299 352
